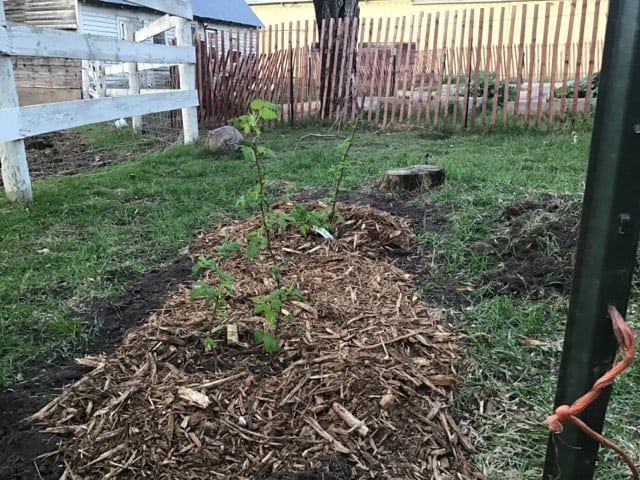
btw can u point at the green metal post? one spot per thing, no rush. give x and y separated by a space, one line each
607 245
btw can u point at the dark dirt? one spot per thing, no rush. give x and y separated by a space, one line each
536 247
20 444
67 152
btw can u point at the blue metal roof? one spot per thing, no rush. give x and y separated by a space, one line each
229 11
233 11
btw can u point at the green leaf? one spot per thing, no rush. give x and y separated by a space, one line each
268 114
263 151
203 263
258 335
258 104
227 248
209 343
344 146
270 342
225 278
275 272
241 202
255 193
248 153
203 290
256 243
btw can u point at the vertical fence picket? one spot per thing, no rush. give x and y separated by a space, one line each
298 109
423 68
390 74
398 69
567 61
476 76
499 78
468 73
520 62
412 73
487 70
442 64
532 64
509 76
375 77
326 50
554 68
543 64
592 53
355 48
340 104
405 72
451 64
459 70
382 85
432 72
579 59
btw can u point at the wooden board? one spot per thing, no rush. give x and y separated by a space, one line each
19 123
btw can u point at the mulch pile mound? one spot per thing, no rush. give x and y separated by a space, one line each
361 388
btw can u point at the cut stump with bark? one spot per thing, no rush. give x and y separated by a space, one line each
416 177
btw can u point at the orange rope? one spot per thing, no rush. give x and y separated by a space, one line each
565 413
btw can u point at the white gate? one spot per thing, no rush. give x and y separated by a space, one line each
18 123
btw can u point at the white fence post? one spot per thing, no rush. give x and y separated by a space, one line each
134 80
187 81
15 170
17 123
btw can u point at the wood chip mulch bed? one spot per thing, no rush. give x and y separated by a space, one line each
361 388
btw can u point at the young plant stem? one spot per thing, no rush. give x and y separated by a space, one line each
263 213
345 154
215 312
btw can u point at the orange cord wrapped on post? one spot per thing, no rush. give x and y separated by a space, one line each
567 413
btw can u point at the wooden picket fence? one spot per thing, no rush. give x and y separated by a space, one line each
486 67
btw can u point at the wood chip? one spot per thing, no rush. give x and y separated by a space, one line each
195 398
350 419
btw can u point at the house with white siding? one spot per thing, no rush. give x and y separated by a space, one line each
108 18
45 81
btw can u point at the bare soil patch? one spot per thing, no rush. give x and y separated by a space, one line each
67 152
536 245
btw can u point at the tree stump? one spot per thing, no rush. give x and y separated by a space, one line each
416 177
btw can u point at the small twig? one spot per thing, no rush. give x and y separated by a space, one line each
393 340
386 353
215 383
320 135
337 446
37 470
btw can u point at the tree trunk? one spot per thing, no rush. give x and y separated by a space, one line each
342 91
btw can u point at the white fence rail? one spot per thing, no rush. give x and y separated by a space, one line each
22 122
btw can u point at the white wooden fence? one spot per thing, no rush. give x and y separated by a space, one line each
18 123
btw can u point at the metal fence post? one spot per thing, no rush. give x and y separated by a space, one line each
608 241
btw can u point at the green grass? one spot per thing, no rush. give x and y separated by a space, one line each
92 234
